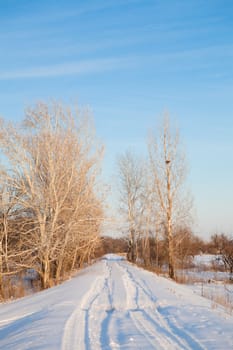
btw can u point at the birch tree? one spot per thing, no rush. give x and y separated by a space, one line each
168 171
131 185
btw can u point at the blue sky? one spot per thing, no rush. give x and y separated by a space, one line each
130 60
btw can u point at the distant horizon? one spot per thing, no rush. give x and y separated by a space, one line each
129 61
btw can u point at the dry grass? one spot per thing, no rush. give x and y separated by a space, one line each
222 300
209 289
13 290
187 279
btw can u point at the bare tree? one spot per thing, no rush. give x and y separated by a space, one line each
131 184
5 209
168 170
9 213
54 162
187 245
224 247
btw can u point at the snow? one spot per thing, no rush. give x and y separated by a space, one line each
207 260
197 274
115 305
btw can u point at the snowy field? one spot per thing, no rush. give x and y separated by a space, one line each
114 305
205 269
207 279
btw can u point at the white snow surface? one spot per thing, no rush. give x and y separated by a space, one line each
207 260
115 305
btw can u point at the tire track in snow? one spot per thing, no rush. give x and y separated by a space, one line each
134 315
74 335
78 332
166 324
144 315
105 321
96 312
108 310
127 316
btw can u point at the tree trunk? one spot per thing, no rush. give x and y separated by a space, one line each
1 270
131 254
170 261
45 277
170 250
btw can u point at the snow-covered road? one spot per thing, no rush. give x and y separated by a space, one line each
114 305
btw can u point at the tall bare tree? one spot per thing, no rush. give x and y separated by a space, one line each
132 192
168 170
54 161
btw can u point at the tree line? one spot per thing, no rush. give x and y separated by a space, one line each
188 246
154 200
157 206
51 210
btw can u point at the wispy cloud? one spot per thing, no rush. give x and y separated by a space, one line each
52 13
71 68
198 59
